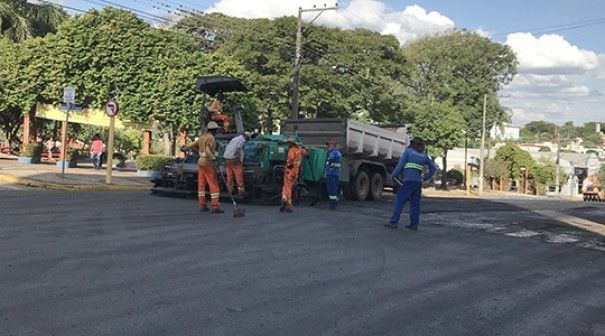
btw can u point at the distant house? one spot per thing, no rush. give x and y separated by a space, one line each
506 132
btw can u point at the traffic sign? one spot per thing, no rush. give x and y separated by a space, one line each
69 95
72 108
111 108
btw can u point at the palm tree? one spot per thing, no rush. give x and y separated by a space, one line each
20 20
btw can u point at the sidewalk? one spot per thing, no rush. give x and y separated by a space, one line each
84 177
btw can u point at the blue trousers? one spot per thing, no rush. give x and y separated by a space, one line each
412 191
332 184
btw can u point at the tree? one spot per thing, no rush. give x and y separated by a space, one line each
20 20
439 124
459 68
514 158
344 73
496 171
538 130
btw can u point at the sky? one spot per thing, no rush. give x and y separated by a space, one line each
560 44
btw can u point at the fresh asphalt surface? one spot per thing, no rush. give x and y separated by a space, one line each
129 263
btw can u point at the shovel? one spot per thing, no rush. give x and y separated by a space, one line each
236 211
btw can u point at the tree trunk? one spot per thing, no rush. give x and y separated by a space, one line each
444 172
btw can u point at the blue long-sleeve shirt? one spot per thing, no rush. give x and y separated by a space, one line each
412 164
333 162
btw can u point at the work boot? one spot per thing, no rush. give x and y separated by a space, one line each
410 227
391 225
289 209
332 206
241 193
204 209
283 206
217 211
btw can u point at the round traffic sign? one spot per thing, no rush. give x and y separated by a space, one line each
111 108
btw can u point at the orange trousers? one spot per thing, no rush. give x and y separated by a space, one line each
206 175
290 177
235 170
224 118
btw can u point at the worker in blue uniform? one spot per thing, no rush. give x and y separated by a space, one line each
412 164
332 171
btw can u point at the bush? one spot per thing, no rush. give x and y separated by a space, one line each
73 154
456 175
32 149
152 162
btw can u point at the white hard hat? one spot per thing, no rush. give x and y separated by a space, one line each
212 125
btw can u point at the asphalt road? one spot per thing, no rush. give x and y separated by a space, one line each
129 263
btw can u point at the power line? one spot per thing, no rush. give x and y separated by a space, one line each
561 27
56 5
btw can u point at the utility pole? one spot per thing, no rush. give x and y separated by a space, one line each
481 159
557 162
298 60
482 147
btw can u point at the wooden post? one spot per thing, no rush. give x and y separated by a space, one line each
112 122
26 129
146 142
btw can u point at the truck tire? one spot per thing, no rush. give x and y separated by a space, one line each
376 186
359 187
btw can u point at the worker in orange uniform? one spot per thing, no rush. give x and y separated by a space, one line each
217 112
293 161
234 156
205 146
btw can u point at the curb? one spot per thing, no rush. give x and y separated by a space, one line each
42 185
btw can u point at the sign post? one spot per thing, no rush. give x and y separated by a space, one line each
111 109
69 97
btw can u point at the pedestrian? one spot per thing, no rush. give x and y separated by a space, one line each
332 171
412 164
234 156
50 145
205 146
295 154
216 109
96 150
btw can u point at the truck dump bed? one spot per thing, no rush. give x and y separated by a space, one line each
357 140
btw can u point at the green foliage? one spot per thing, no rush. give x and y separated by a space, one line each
20 20
496 169
514 158
32 149
344 73
456 175
459 68
152 162
601 175
544 149
544 175
74 154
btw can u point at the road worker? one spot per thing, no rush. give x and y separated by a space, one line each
216 109
234 156
332 171
295 154
205 146
411 164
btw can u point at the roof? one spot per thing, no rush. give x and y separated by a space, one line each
214 84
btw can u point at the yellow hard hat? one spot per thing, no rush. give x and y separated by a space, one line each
212 125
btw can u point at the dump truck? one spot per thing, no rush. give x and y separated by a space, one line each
370 152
